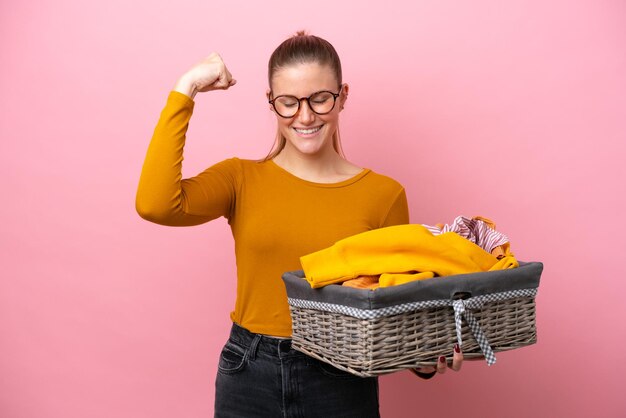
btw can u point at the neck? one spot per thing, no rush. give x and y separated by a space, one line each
318 167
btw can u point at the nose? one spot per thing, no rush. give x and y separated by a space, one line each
305 114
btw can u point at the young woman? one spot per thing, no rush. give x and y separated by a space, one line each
304 196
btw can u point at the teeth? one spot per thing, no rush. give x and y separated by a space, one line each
308 131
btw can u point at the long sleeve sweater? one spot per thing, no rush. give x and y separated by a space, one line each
275 217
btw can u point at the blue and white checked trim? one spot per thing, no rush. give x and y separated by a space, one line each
462 309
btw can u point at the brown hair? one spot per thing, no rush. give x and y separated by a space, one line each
302 48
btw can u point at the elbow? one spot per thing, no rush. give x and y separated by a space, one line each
150 203
146 212
165 211
150 211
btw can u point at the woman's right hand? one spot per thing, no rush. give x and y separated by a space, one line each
209 74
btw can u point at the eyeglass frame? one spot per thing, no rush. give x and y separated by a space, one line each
308 101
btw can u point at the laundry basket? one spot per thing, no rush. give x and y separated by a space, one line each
374 332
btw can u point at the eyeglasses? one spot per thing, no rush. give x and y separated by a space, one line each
321 102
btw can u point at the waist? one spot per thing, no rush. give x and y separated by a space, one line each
272 345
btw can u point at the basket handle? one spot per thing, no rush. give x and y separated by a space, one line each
461 295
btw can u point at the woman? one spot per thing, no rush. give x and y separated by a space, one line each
302 197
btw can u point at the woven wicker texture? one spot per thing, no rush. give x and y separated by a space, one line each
371 347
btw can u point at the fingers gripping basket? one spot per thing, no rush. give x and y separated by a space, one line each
370 333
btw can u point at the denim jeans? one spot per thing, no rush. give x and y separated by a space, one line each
261 376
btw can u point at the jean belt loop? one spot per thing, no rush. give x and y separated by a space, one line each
254 346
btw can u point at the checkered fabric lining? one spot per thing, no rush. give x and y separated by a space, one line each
462 309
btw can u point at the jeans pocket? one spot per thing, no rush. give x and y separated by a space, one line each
232 358
332 371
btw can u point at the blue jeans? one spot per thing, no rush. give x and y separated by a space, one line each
260 376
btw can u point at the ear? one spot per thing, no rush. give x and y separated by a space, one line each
344 95
268 93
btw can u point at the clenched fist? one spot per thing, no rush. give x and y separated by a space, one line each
209 74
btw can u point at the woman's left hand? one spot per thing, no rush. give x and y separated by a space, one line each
427 372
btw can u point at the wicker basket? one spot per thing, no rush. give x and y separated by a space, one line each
369 333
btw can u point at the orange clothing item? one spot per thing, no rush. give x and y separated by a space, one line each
275 217
394 279
488 221
363 282
386 280
503 250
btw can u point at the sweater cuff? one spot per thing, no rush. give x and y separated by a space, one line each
181 99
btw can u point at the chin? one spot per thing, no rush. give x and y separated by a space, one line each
311 148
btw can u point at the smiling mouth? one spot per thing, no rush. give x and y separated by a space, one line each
308 131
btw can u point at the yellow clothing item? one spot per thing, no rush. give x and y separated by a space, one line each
394 279
395 249
275 217
508 262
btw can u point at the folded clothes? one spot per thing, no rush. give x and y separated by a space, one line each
386 280
401 249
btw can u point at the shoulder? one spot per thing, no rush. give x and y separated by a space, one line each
232 164
391 191
244 169
249 165
241 163
384 182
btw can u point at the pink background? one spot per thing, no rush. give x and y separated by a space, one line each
513 110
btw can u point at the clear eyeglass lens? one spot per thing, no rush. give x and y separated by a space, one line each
286 105
322 102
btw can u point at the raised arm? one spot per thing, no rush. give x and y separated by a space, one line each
163 196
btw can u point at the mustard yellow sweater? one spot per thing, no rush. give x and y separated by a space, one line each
399 249
275 217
